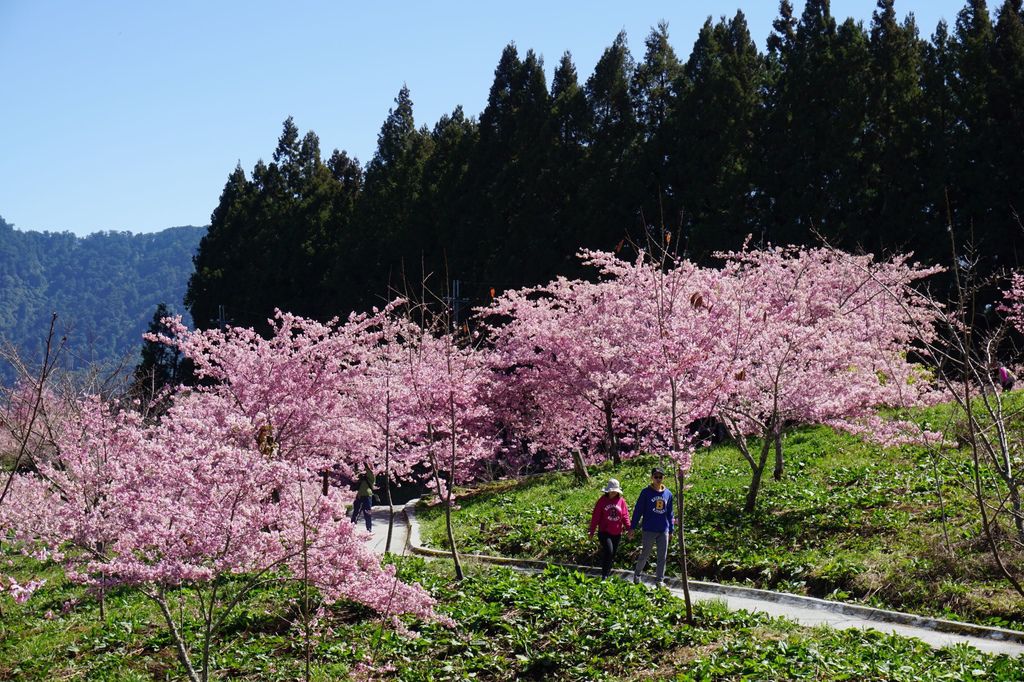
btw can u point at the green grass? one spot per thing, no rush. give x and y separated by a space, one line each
849 521
557 625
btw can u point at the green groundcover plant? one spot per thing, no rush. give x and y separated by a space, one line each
557 625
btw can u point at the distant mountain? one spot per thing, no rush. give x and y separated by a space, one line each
103 287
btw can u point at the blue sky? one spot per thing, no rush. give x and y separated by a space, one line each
129 115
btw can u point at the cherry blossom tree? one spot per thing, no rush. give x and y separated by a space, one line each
449 378
295 386
387 403
676 330
564 342
225 485
822 337
29 414
24 419
675 335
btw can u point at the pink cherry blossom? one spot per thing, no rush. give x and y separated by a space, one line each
225 483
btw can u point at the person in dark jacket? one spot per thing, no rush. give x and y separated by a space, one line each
652 513
364 498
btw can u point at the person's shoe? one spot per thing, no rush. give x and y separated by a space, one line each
662 586
636 579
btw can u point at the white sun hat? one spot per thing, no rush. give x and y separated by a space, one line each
613 486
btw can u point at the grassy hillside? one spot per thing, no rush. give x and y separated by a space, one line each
507 626
849 521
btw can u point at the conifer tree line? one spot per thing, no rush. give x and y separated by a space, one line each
873 137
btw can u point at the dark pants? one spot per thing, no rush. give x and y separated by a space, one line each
363 504
609 546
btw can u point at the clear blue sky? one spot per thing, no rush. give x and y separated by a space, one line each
129 115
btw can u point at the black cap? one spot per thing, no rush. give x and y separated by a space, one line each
656 471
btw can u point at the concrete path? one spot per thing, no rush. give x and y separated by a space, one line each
803 610
399 534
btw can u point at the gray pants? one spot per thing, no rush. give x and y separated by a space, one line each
650 538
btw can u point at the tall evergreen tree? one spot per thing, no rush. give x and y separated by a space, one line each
571 126
227 266
783 37
445 198
654 89
161 366
892 199
287 154
386 209
809 157
514 196
569 110
1007 111
609 185
319 232
654 81
973 195
344 273
939 125
287 229
713 129
273 240
772 154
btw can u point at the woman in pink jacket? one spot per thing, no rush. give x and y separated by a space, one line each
610 519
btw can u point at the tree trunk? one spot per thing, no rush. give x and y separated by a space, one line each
103 589
179 642
681 483
1018 511
446 501
777 473
391 514
451 487
306 633
451 538
681 488
208 634
579 468
387 473
1003 462
757 473
611 445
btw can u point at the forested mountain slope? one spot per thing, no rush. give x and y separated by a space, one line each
103 287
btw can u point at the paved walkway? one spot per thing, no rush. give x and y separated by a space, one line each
399 534
803 610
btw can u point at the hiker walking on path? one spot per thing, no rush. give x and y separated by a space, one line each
364 498
610 518
653 515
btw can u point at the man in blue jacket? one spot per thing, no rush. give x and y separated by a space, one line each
654 506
